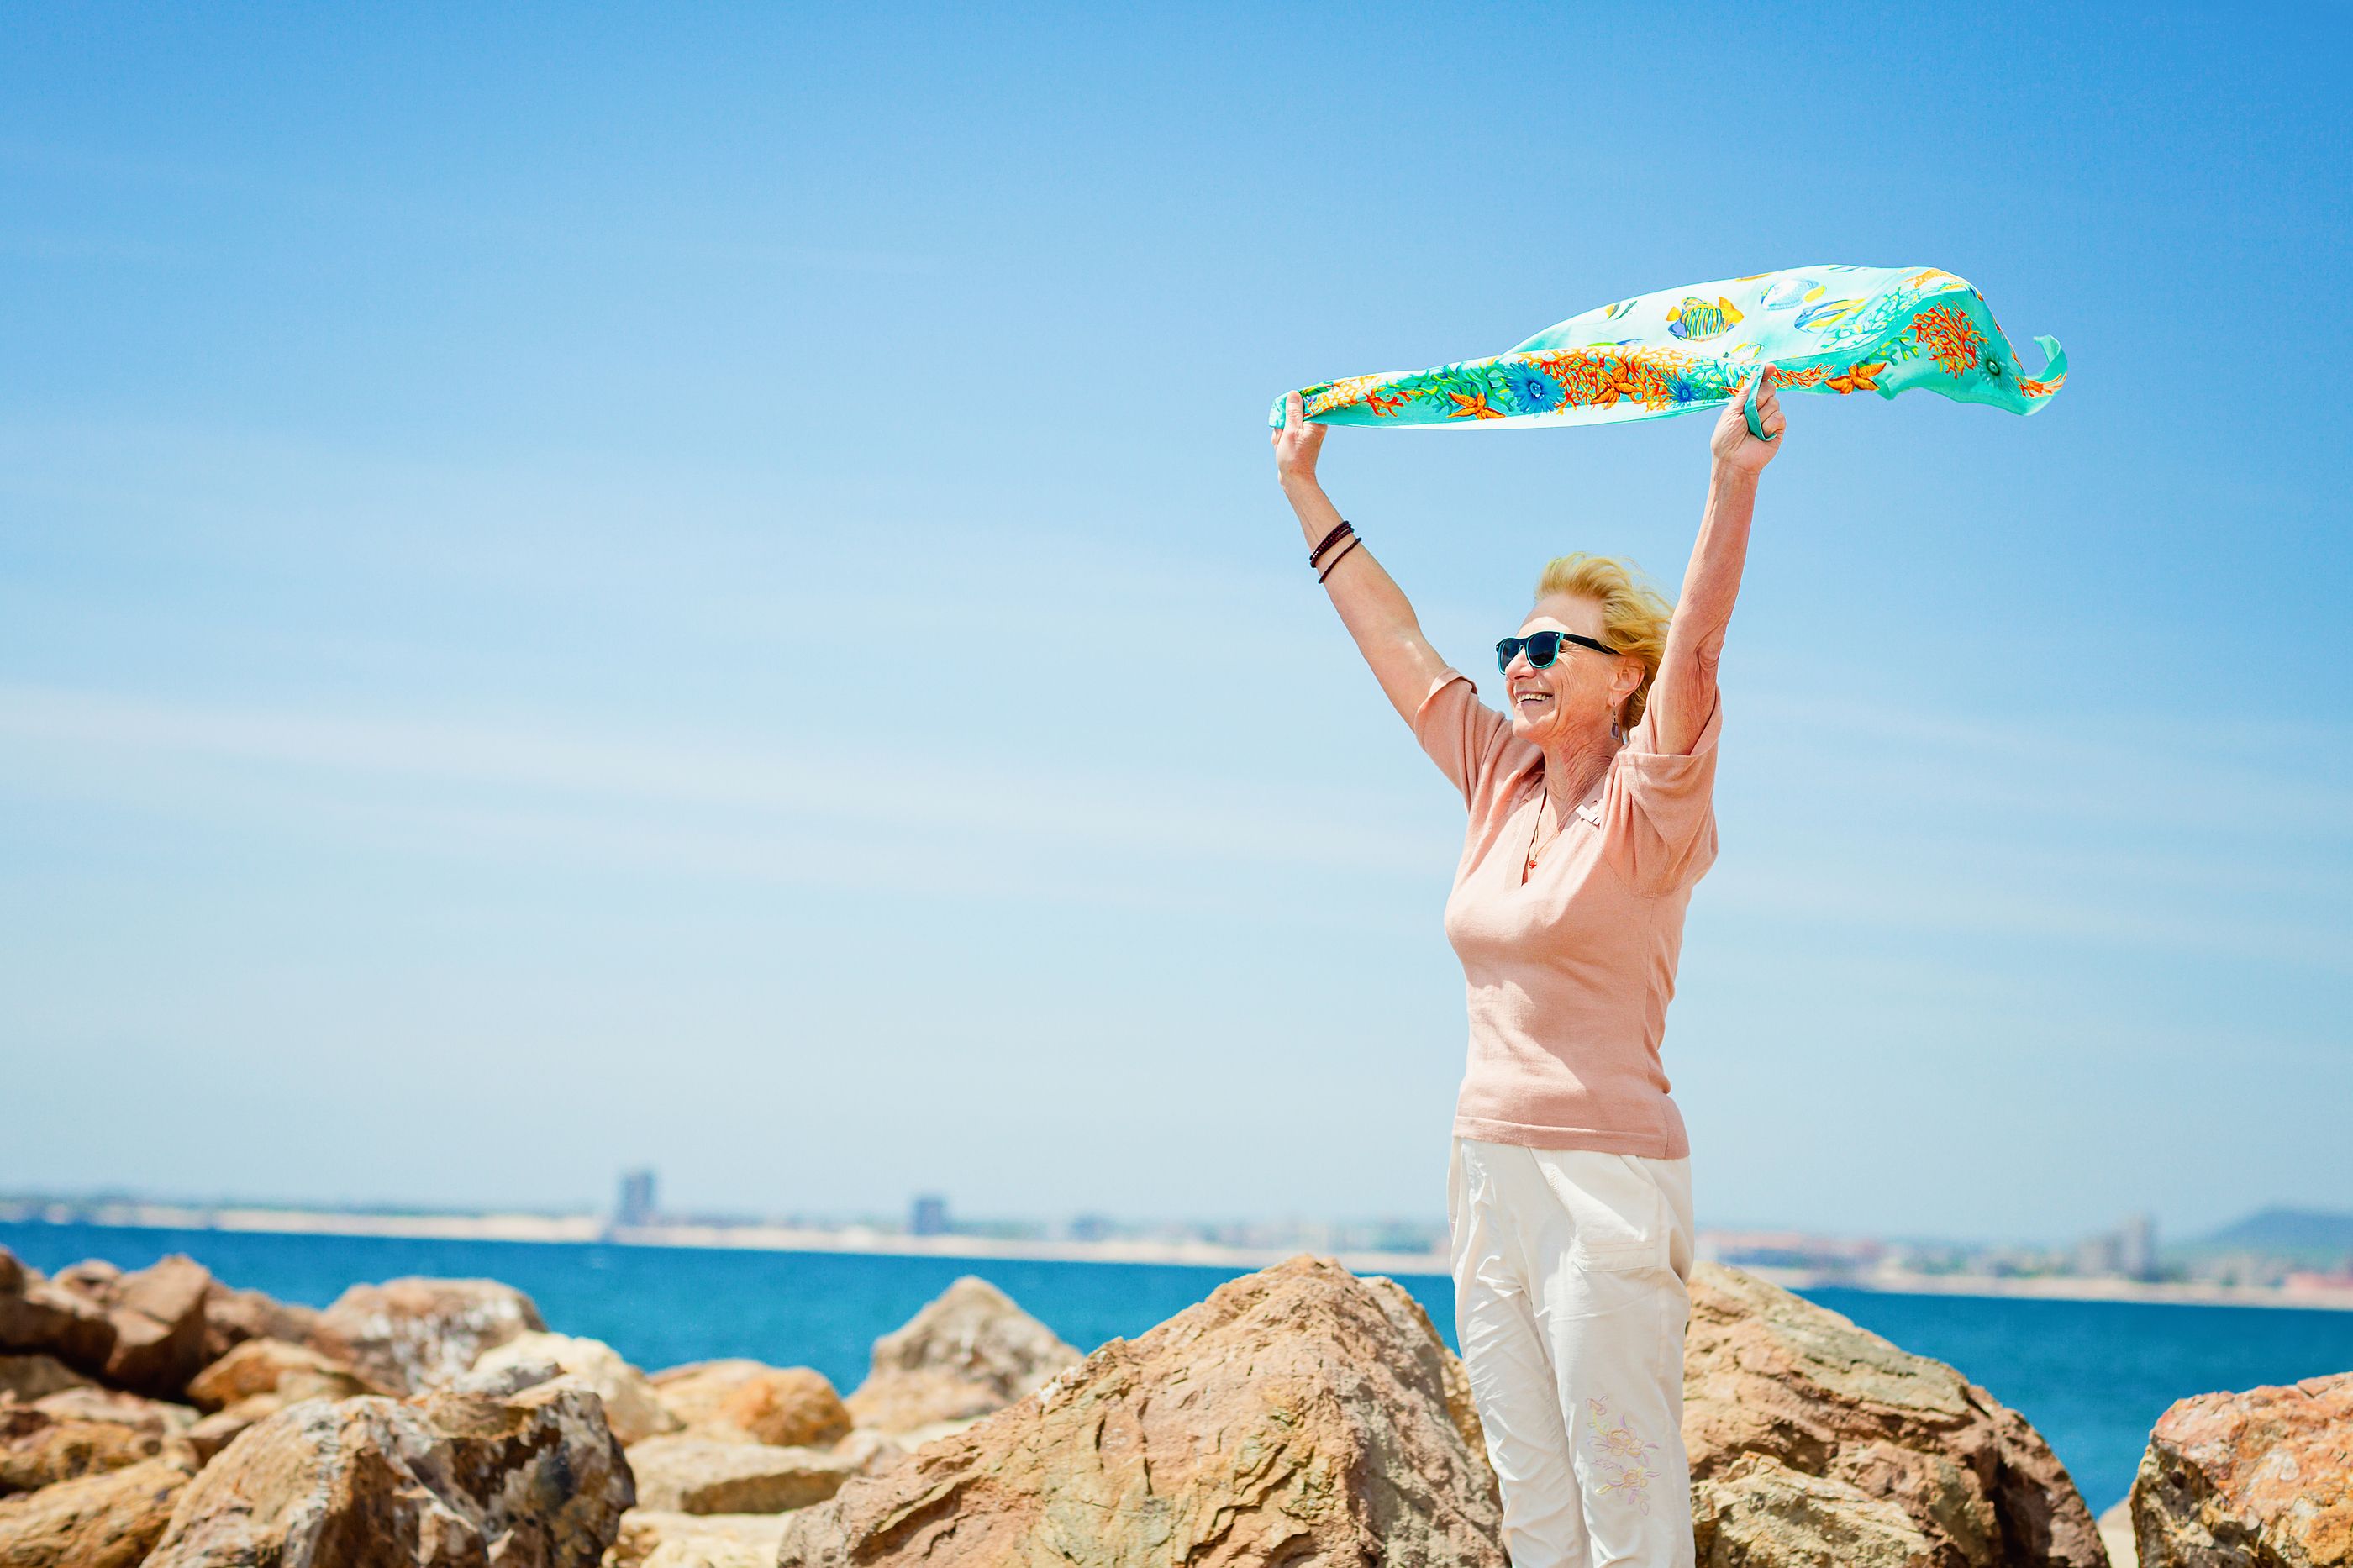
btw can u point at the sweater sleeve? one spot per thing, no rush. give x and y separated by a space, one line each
1657 810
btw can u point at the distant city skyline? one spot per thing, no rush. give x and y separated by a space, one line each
716 602
2134 1248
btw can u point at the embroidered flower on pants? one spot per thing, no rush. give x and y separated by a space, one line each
1621 1454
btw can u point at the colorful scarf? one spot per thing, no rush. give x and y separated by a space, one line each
1814 329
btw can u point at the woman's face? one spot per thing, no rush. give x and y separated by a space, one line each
1577 696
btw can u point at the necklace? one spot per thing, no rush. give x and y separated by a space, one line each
1535 833
1537 843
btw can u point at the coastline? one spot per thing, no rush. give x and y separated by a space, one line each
592 1229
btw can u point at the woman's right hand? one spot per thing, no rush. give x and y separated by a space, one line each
1296 445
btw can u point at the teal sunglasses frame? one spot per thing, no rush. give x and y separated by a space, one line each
1542 648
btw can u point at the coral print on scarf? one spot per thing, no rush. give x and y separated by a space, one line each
1829 328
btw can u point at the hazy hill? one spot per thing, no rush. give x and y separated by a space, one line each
2309 1236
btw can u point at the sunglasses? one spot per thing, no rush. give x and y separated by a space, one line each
1542 649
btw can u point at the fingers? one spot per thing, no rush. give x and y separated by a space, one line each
1294 412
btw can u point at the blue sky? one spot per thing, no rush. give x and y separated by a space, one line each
703 586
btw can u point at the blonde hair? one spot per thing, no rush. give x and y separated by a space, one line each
1634 615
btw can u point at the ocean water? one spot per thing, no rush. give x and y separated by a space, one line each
2093 1376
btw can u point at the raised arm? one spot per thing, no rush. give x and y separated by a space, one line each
1683 695
1371 605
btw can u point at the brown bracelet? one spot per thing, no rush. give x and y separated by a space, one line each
1331 539
1343 555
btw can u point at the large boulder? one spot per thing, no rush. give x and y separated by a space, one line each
257 1380
1768 1374
450 1480
2258 1479
158 1314
80 1432
259 1366
39 1317
1298 1416
630 1406
646 1533
789 1407
111 1519
159 1327
1759 1513
969 1352
25 1378
410 1335
234 1317
690 1474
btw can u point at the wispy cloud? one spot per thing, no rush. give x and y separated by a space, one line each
556 776
833 816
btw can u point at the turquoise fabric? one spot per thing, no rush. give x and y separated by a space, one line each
1831 329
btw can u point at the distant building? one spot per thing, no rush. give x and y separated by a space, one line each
930 1216
637 1203
1094 1227
2137 1247
2098 1256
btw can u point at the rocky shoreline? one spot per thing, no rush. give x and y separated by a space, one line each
1300 1415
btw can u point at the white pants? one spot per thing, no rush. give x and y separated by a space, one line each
1570 1304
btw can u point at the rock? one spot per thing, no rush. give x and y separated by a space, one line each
2258 1479
234 1317
39 1317
273 1366
108 1520
412 1335
646 1531
1462 1409
1759 1513
41 1446
968 1353
92 1402
1767 1373
710 1551
92 1276
29 1378
448 1480
158 1313
867 1452
1298 1416
507 1381
691 1474
39 1450
789 1407
630 1406
2117 1535
215 1432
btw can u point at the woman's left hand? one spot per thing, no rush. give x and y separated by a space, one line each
1732 445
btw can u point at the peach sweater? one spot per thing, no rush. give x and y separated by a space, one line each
1570 973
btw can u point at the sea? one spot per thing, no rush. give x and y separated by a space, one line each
2093 1376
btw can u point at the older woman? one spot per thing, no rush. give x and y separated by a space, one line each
1570 1188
